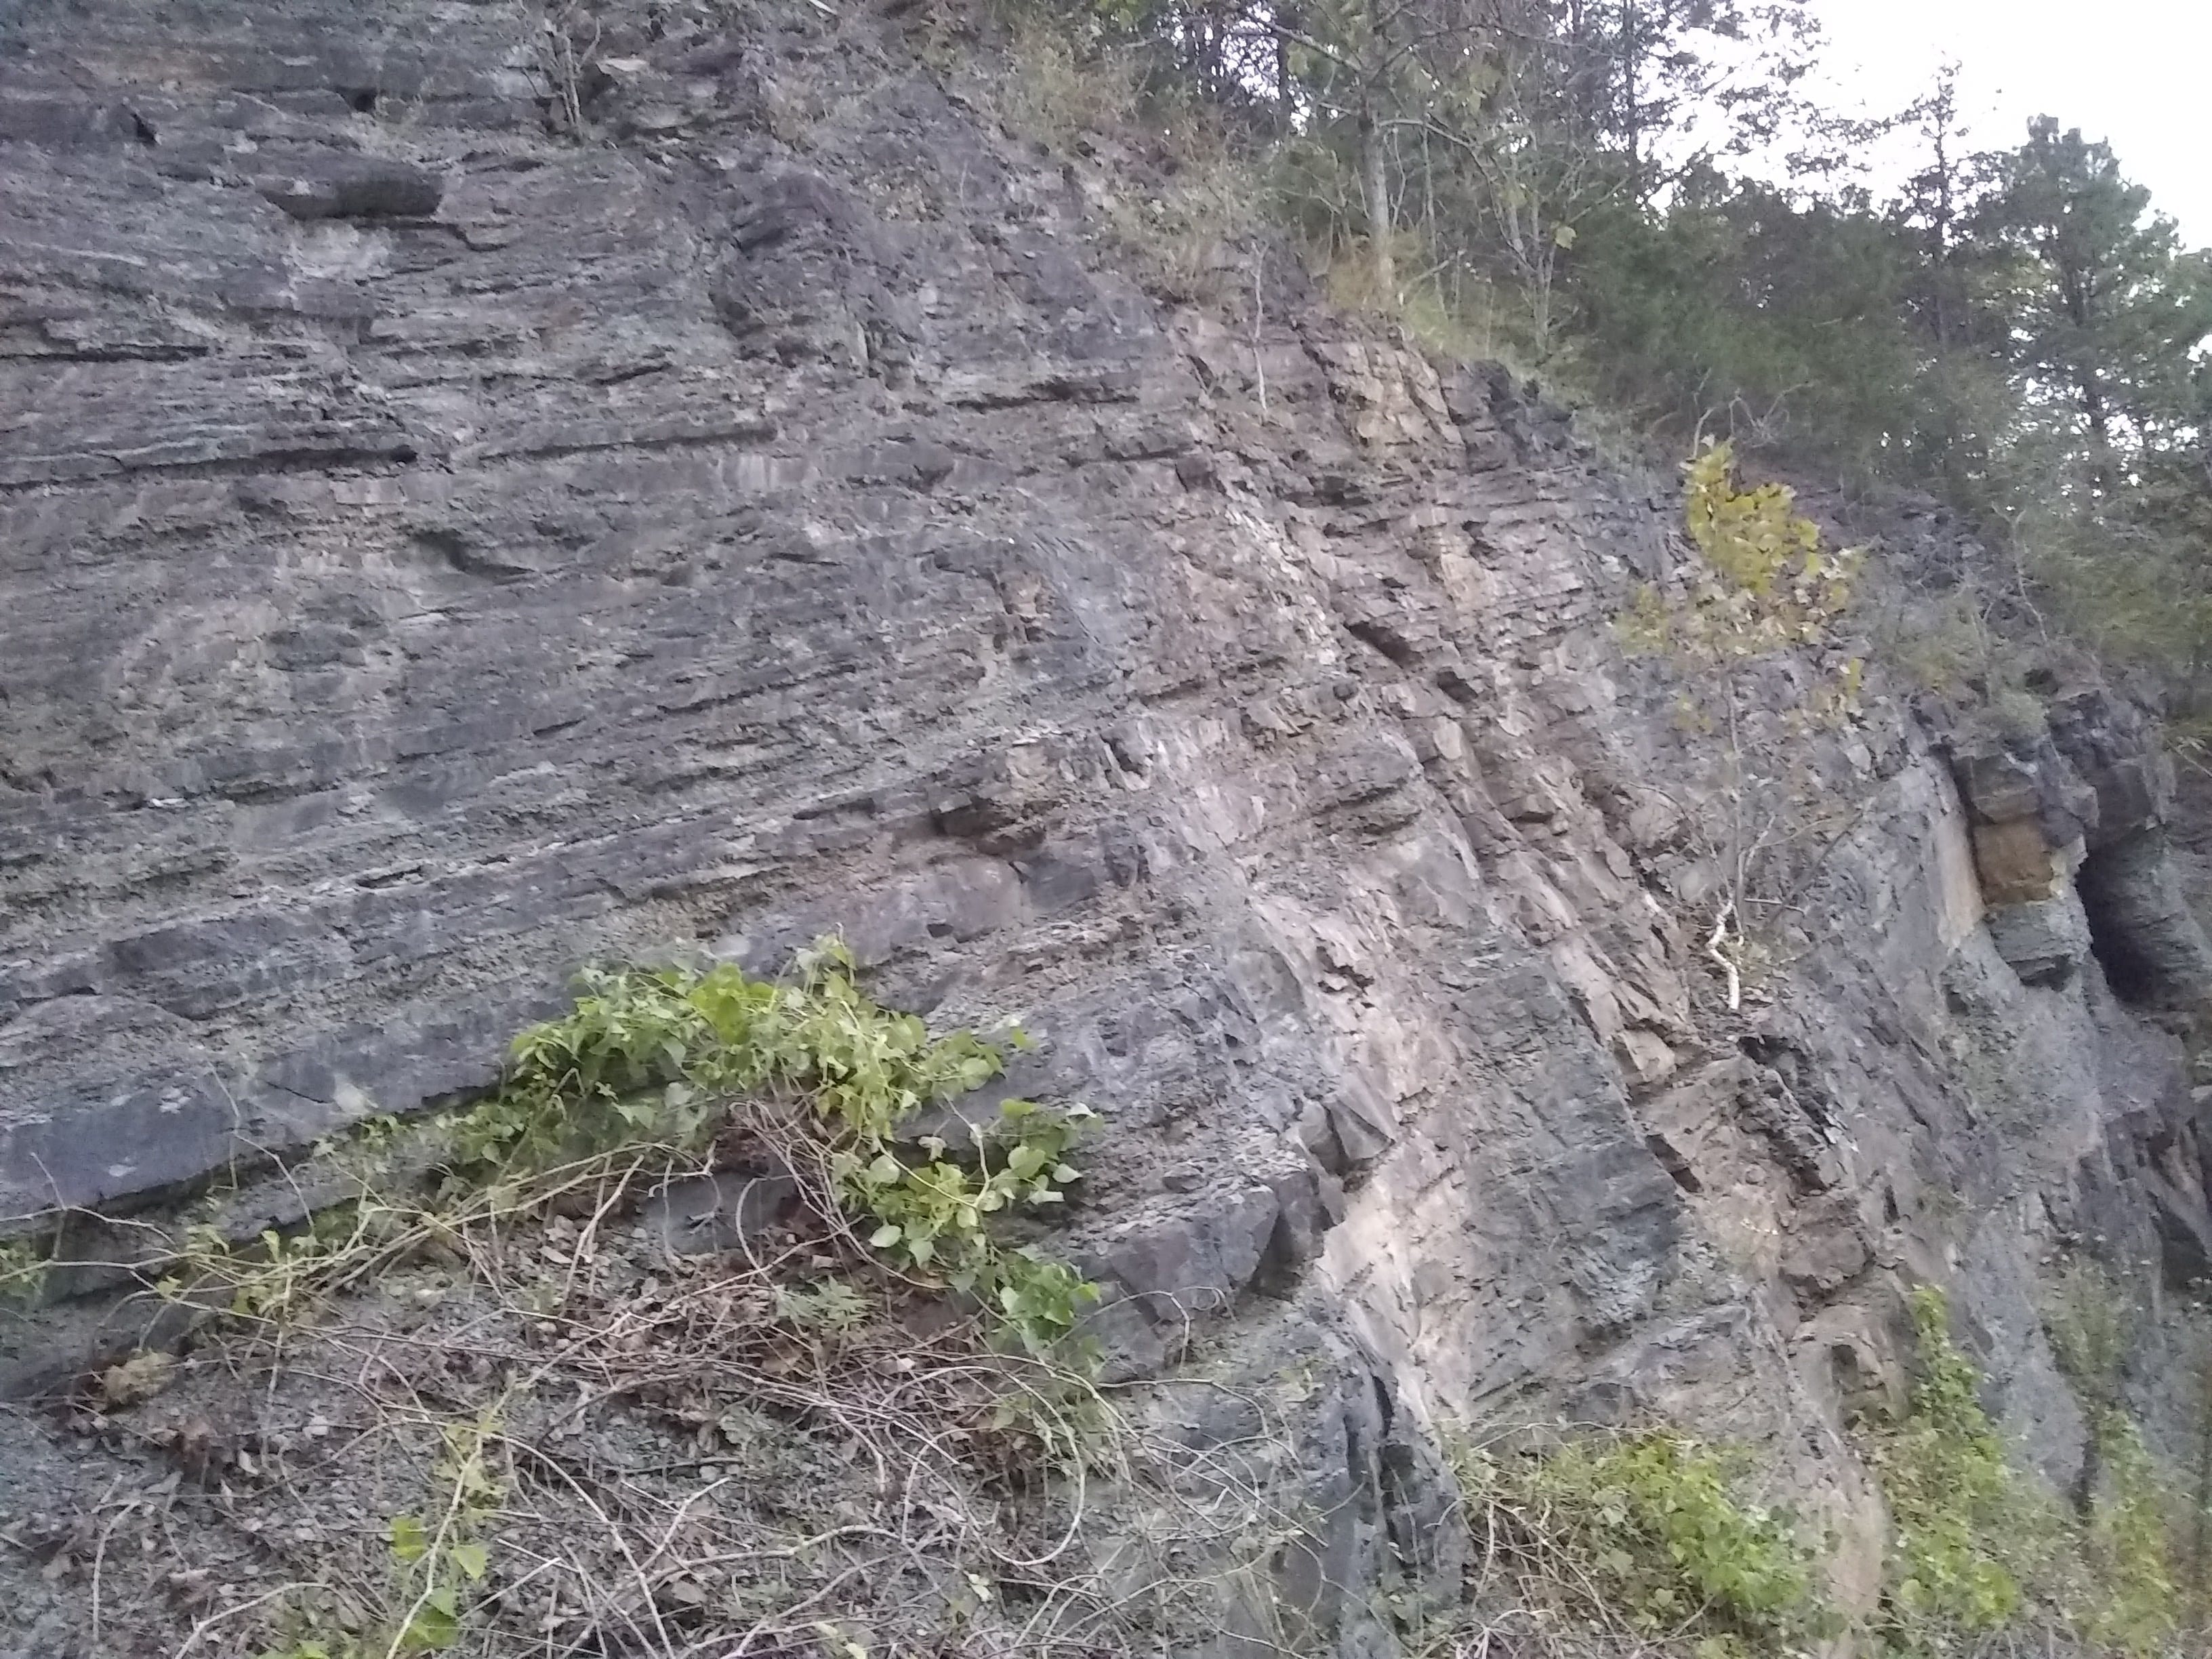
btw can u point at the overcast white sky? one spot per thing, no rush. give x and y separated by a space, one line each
2137 73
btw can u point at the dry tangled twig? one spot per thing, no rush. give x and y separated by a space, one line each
756 1450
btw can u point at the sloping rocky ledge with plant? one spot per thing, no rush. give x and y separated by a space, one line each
1614 1124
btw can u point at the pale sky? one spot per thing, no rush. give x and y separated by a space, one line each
2136 73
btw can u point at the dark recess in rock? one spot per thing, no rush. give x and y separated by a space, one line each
2150 943
350 187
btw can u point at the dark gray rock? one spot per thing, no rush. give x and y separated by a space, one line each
1188 1263
2045 942
728 1210
2114 748
1827 1247
350 187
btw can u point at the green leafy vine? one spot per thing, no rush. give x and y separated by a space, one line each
668 1059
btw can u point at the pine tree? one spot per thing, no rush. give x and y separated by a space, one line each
2100 310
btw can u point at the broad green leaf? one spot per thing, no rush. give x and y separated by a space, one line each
409 1540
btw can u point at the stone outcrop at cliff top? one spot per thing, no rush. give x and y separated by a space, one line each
438 549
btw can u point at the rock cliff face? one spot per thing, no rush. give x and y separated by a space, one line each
464 515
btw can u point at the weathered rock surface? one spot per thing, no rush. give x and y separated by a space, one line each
438 549
2086 807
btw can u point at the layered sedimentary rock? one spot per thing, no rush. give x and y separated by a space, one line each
462 517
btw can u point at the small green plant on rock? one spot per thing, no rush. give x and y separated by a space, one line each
1983 1552
275 1281
24 1265
2135 1603
666 1055
651 1066
1966 1526
434 1562
1643 1537
545 1240
2129 1599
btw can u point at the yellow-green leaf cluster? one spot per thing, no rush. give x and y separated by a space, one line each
1767 584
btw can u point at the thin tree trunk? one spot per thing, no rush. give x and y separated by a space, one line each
2103 475
1375 185
1633 119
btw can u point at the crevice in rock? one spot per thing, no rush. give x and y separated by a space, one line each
2141 931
